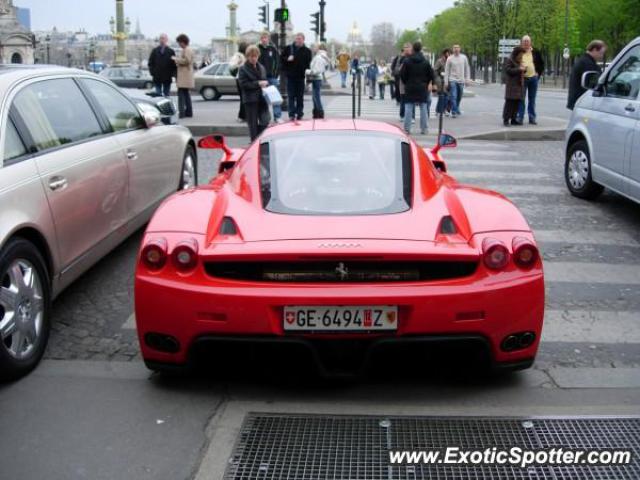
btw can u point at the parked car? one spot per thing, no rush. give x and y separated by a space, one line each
82 168
149 101
603 136
344 240
128 77
214 81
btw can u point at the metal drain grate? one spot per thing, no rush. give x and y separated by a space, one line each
317 447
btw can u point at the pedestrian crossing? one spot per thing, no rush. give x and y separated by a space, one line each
341 106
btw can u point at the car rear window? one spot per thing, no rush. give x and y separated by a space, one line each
335 173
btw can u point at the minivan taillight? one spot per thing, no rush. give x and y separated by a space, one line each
495 254
154 254
185 255
525 253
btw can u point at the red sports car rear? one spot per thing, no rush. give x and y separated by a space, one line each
337 235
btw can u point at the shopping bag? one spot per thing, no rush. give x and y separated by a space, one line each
272 95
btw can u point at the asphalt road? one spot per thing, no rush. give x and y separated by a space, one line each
92 411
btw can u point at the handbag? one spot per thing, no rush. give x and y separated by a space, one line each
272 95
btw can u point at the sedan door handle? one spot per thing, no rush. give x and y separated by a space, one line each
630 108
132 154
57 183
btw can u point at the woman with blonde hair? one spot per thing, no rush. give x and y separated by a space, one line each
252 78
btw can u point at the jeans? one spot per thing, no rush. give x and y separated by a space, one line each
277 109
163 88
372 88
343 78
409 114
381 87
316 86
184 103
530 90
456 89
428 103
443 100
295 90
402 108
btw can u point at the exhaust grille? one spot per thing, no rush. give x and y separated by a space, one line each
307 447
340 271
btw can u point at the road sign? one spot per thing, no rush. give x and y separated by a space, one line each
566 54
509 42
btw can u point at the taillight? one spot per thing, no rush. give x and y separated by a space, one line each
185 255
525 253
495 254
154 254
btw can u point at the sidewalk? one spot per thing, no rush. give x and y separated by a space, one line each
481 119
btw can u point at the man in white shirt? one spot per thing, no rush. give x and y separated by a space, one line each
456 75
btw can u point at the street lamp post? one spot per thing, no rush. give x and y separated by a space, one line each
283 46
47 41
120 29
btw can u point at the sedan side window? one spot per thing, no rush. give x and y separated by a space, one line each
13 146
213 70
121 112
624 79
56 113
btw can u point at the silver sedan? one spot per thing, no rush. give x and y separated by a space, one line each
82 168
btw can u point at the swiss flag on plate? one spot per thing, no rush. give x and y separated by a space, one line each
290 317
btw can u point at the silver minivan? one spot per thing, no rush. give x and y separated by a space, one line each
603 136
82 167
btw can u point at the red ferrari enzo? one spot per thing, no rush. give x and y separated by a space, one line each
342 239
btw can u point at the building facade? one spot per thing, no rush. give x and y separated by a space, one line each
16 41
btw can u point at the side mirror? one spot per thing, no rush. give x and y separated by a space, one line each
447 140
151 119
217 142
589 79
444 140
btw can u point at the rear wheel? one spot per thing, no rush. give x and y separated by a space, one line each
578 174
189 172
148 85
210 93
24 308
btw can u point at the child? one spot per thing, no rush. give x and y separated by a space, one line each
514 86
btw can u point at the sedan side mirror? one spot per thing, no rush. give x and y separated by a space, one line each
151 119
589 79
217 142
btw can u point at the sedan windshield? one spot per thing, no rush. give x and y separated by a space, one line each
335 173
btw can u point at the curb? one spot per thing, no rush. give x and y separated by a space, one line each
518 135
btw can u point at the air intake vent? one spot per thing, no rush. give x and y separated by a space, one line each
228 227
448 226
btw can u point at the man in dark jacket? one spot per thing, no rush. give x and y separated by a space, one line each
162 67
270 60
586 63
296 60
417 76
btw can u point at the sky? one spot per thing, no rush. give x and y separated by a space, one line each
204 19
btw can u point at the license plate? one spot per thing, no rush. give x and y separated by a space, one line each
340 319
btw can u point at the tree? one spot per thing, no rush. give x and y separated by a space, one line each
383 41
408 36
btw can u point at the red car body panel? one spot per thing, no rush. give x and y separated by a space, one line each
490 304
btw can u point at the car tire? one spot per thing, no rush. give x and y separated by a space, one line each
577 172
25 296
148 85
210 93
189 170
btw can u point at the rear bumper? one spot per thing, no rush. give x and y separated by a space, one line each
203 314
343 358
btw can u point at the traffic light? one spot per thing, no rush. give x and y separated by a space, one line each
315 23
263 16
281 15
